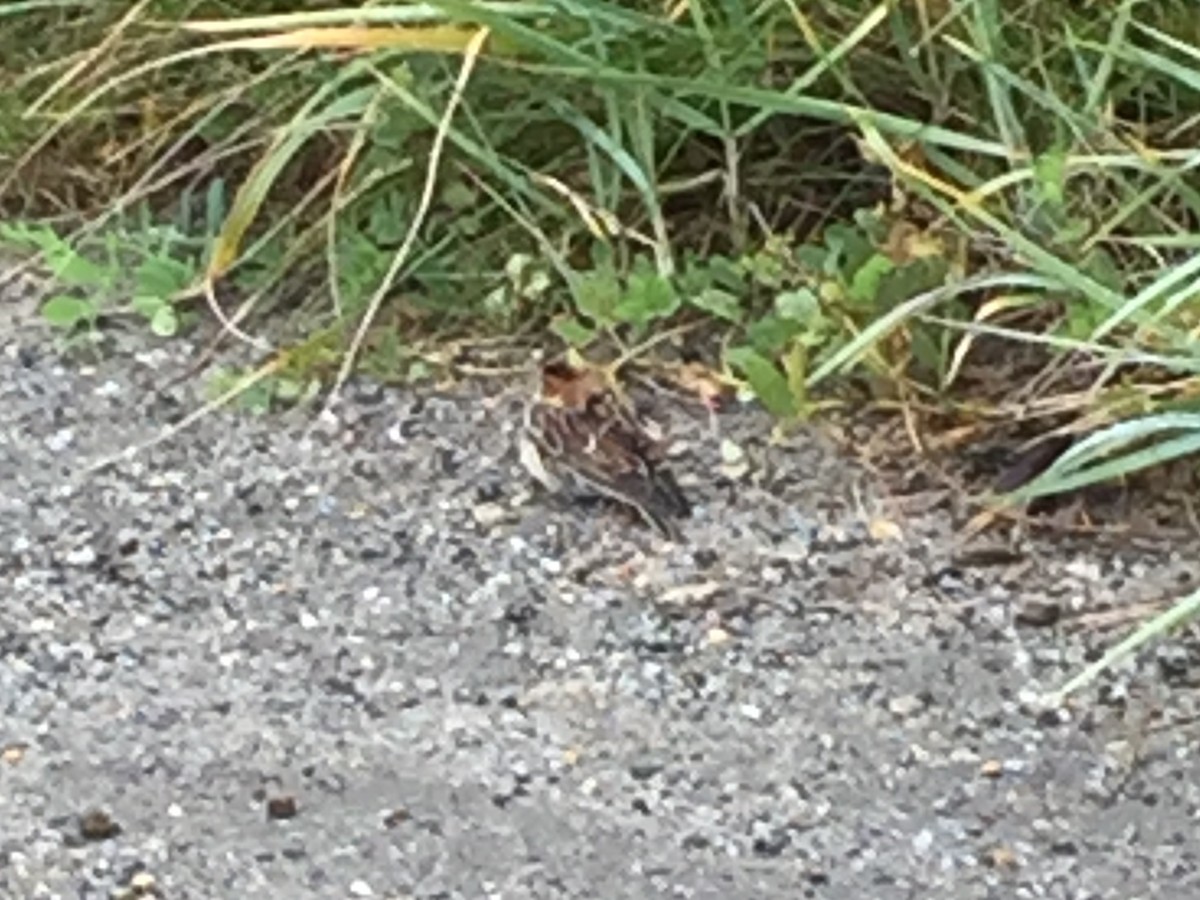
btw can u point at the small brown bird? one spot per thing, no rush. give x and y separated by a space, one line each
579 437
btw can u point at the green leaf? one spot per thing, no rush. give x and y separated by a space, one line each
148 305
769 384
571 330
649 296
929 350
256 398
162 277
849 249
772 333
864 286
812 257
800 306
765 269
725 273
77 270
165 323
1050 176
215 206
597 294
904 283
717 302
288 388
387 219
65 311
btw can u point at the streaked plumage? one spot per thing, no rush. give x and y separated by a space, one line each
580 438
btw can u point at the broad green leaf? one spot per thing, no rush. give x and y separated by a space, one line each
649 296
764 268
812 257
849 249
571 330
387 219
165 322
597 294
288 388
256 398
769 384
148 305
65 311
77 270
771 333
800 306
864 286
717 302
724 272
903 283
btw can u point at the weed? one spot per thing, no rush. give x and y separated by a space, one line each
142 273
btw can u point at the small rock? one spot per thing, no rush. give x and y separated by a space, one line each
143 884
1172 662
489 514
770 843
81 557
694 592
733 460
999 857
1039 613
645 769
60 440
731 453
396 817
360 888
97 825
751 712
883 530
283 806
905 706
716 636
992 768
128 541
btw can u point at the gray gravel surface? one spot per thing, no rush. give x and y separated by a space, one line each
371 662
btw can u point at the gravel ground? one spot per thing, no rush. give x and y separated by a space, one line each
373 663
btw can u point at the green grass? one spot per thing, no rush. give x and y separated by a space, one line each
895 196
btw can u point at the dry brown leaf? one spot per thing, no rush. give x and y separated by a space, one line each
708 385
906 242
